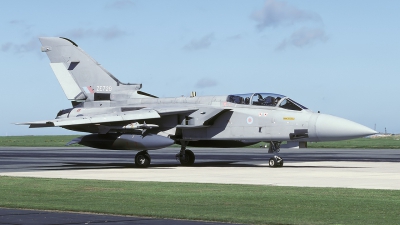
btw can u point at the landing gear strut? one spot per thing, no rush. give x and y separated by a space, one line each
142 159
186 157
275 161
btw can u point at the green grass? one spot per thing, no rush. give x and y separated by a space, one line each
391 142
37 141
250 204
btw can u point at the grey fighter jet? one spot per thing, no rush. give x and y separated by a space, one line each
121 116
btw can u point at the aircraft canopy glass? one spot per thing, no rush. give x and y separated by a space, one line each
265 99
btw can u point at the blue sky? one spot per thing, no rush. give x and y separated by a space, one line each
337 57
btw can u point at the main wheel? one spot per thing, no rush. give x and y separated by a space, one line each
272 162
142 159
189 158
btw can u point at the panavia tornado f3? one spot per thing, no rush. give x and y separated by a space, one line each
121 116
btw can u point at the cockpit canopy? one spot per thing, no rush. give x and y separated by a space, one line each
265 99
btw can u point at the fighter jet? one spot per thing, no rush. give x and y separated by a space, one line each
121 116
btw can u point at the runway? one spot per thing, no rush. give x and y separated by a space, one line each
347 168
42 217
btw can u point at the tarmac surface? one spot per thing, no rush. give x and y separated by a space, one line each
347 168
40 217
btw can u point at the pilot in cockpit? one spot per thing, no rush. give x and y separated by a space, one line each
277 100
269 101
247 100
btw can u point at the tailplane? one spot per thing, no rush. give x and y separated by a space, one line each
80 76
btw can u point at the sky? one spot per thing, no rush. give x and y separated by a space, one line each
337 57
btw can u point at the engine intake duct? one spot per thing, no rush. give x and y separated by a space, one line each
299 134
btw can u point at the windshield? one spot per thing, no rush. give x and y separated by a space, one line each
291 105
265 99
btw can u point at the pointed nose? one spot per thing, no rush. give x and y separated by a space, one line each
332 128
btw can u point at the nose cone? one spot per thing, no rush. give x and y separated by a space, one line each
332 128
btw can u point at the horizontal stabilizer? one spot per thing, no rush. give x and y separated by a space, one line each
102 118
37 124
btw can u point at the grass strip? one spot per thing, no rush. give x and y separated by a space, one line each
389 142
249 204
37 141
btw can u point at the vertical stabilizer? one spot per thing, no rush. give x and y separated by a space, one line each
80 76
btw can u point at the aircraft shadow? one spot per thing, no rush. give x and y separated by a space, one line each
220 164
83 166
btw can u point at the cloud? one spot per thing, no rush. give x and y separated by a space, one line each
206 82
120 4
105 33
235 37
303 37
16 22
78 33
7 46
276 13
29 46
202 43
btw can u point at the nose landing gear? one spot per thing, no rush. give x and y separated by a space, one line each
275 161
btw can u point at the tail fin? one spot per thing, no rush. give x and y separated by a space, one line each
80 76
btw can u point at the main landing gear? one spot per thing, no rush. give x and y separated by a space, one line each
186 157
142 159
275 161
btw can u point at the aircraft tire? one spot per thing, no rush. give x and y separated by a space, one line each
272 162
142 159
189 158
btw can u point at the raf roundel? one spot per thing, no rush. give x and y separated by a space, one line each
249 120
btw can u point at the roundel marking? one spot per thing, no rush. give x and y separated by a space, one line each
249 120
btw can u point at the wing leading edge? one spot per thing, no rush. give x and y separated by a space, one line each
95 119
141 114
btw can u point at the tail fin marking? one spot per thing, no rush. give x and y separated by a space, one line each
67 82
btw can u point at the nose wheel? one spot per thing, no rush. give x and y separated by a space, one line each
275 161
